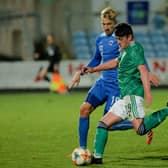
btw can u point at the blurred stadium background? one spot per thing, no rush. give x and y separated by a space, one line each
34 125
76 24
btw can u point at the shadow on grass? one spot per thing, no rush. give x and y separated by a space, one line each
146 158
132 162
142 161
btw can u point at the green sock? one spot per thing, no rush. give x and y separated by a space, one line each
154 119
100 141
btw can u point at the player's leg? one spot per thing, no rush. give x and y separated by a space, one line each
38 78
113 96
116 114
94 98
134 106
102 132
83 128
143 124
123 125
155 119
42 75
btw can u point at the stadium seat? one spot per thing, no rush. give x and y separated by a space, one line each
158 39
161 46
78 34
150 54
82 52
143 39
155 32
162 54
141 34
79 41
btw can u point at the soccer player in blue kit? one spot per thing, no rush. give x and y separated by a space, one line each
106 88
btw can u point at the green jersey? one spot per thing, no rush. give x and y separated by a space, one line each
129 76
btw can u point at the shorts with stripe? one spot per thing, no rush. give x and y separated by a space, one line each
130 107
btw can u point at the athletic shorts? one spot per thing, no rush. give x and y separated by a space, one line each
130 107
102 92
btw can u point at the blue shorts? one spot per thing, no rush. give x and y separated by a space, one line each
102 92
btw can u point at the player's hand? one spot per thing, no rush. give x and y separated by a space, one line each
154 80
83 70
75 81
89 70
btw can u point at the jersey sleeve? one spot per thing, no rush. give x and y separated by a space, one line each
96 59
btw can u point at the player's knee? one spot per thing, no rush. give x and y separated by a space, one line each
141 130
84 111
102 125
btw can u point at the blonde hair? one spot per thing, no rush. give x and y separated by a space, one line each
109 13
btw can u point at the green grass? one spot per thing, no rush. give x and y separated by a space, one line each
40 130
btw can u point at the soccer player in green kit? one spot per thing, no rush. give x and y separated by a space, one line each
134 87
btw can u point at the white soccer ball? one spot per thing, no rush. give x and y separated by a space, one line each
81 156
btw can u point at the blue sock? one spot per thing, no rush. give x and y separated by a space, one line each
83 131
123 125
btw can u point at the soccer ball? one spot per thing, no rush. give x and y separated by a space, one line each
81 156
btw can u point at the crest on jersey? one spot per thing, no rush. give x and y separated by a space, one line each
110 42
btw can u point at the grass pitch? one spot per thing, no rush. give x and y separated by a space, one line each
39 131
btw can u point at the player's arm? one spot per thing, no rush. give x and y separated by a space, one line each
108 65
96 60
75 80
154 80
146 84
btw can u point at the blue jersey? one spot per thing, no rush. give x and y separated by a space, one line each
106 49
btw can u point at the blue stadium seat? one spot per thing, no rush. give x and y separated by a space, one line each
93 35
78 34
161 46
82 52
150 54
79 41
81 45
155 32
158 39
140 33
147 46
162 54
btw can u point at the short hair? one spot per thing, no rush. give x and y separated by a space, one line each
123 29
109 13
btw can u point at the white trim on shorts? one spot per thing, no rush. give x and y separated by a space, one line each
130 107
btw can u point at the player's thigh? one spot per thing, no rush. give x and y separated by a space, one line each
112 98
119 109
110 118
134 106
96 95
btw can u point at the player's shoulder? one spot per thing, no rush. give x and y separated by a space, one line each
137 46
100 37
103 36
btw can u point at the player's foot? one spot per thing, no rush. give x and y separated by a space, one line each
167 104
96 160
149 137
37 79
